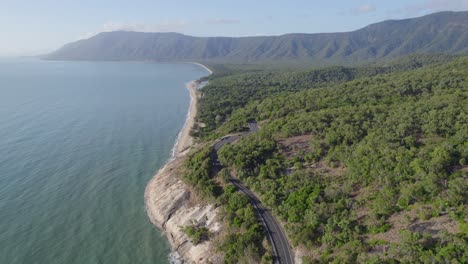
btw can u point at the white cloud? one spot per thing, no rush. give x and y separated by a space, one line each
364 9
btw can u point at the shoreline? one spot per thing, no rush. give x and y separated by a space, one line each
203 66
168 203
184 141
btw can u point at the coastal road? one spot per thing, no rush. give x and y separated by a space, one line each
273 229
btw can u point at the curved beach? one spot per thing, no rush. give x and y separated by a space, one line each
184 140
169 202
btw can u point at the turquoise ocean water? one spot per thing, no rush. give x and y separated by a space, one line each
78 143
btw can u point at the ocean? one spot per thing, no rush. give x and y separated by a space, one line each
79 141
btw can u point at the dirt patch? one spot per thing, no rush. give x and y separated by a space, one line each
406 221
293 145
435 225
323 168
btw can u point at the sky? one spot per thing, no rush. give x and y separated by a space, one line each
30 27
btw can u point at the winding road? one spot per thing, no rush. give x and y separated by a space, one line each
273 229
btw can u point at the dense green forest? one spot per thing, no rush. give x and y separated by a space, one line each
361 165
231 87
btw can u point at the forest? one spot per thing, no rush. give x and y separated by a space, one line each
361 165
232 87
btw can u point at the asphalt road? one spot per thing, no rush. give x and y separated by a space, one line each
274 231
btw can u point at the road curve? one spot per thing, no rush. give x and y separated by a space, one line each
273 229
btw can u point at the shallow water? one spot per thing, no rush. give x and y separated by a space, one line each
78 143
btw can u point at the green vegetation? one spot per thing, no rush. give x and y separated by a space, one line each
363 163
244 240
360 164
197 173
197 234
245 235
227 94
434 33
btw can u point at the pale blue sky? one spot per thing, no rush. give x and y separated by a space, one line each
30 26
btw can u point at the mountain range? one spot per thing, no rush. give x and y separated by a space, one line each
443 32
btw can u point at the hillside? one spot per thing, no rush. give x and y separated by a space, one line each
444 32
367 170
233 89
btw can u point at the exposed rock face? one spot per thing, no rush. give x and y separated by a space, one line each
171 206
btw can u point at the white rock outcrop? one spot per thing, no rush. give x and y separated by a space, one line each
171 206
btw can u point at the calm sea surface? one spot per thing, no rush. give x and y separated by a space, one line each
78 143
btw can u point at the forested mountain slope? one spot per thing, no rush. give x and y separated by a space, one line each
372 170
237 88
445 32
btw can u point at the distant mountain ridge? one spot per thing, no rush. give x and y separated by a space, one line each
443 32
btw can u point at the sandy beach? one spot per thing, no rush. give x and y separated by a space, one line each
168 201
184 140
203 66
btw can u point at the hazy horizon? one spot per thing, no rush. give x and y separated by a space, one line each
37 28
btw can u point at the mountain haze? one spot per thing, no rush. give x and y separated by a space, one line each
443 32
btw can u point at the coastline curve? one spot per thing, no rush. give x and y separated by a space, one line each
168 201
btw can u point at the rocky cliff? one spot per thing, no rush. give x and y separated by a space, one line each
171 206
